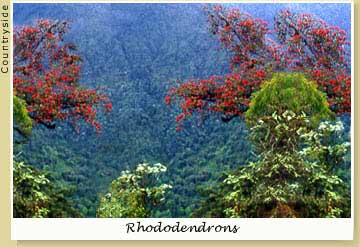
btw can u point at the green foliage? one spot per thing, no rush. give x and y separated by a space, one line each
326 193
212 204
289 92
29 200
22 120
134 194
293 177
35 196
149 50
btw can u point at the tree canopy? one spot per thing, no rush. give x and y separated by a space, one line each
47 76
303 44
289 92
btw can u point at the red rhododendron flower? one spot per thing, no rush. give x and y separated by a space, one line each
47 73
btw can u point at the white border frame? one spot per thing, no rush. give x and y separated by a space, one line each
115 229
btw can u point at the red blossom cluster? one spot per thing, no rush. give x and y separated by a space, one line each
311 42
337 87
229 94
47 73
304 44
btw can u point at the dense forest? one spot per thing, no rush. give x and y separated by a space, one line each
141 133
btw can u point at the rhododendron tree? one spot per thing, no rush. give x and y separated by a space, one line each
47 74
303 44
319 50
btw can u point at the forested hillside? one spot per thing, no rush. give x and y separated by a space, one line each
135 53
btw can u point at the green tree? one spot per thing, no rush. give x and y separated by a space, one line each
134 194
293 176
292 92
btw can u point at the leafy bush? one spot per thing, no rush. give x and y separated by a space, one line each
35 196
134 194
